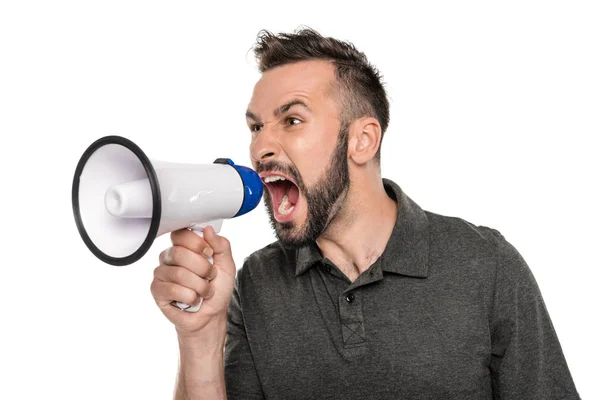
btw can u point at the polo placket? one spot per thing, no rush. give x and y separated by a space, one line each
351 320
348 296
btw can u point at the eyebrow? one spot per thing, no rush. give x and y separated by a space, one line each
280 110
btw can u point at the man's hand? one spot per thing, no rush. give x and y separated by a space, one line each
185 274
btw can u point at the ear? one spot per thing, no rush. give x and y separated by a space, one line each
364 138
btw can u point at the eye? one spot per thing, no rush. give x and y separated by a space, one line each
292 121
255 128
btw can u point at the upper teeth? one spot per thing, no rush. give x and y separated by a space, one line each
273 178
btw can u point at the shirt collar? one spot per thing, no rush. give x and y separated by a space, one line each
407 251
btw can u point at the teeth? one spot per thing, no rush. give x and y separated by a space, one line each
283 210
273 178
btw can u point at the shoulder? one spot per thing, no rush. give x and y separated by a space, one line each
474 245
450 233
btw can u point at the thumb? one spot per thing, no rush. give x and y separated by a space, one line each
220 245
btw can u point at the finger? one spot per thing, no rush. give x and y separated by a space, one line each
185 278
192 241
184 257
165 293
219 244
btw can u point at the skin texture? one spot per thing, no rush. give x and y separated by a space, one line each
280 141
302 142
322 199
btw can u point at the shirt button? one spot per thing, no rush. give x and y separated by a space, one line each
350 298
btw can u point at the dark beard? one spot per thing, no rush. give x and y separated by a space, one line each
322 199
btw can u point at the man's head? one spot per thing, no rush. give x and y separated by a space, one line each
318 104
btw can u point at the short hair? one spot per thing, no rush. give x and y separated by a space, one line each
359 83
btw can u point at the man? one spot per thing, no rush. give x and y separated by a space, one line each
364 294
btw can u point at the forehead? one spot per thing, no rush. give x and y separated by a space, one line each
311 80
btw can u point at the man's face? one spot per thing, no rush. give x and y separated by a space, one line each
299 148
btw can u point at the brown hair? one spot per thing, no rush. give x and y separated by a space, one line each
359 83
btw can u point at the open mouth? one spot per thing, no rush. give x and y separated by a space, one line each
285 196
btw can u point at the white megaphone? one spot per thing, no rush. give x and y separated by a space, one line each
122 200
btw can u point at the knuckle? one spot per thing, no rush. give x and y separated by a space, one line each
174 291
176 274
158 289
153 288
159 273
198 244
165 256
226 243
177 236
176 255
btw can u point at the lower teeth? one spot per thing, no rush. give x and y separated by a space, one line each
283 210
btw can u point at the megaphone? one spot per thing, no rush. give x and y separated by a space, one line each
122 200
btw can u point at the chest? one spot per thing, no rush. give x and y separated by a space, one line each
390 339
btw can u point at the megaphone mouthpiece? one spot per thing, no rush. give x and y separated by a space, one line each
130 199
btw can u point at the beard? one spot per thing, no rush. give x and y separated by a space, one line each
323 199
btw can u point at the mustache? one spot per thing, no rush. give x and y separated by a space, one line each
275 166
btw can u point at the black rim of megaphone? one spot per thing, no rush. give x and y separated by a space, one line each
154 186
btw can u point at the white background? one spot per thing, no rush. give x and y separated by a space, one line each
494 119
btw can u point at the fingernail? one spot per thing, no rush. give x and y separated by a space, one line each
208 252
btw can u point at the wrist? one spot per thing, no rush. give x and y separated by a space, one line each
209 339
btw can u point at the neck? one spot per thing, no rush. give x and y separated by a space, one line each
358 234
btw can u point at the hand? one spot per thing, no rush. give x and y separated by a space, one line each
185 275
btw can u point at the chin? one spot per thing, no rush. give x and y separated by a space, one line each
291 234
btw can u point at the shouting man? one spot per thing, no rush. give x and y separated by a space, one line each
364 295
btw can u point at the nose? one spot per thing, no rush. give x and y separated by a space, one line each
264 145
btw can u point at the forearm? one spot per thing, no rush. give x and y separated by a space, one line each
201 372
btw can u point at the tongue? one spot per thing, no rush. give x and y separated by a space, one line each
293 194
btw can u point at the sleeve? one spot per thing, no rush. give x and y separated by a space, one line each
527 360
241 378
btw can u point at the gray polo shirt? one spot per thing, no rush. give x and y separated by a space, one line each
449 311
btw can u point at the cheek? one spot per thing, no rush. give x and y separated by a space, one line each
310 154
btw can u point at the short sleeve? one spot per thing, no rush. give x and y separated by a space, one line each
527 359
241 379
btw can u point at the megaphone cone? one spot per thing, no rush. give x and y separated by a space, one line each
122 200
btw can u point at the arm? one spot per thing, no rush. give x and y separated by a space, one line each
186 275
527 359
200 373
